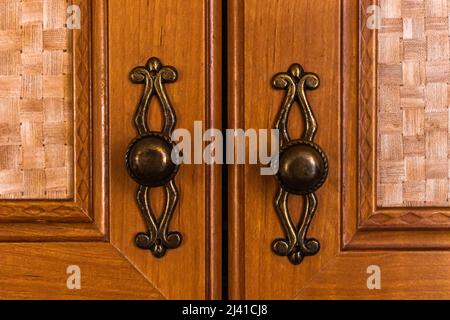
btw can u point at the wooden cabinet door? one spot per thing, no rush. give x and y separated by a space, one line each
68 209
382 112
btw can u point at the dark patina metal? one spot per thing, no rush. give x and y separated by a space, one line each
149 159
303 166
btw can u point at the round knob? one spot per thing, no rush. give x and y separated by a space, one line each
303 167
149 160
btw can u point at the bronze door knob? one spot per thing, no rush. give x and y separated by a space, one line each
149 159
303 166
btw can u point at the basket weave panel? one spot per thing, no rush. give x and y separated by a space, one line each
413 103
36 103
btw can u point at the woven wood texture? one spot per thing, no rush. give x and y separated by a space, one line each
413 100
36 104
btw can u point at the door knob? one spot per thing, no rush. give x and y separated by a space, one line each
149 158
303 166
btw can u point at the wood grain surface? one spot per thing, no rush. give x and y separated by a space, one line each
40 239
275 35
326 37
176 32
236 181
39 271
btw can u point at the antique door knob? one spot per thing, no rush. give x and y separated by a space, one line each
149 159
303 166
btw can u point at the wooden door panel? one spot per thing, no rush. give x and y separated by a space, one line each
358 222
162 29
278 34
38 271
95 227
405 275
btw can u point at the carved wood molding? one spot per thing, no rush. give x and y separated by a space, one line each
421 219
83 123
367 114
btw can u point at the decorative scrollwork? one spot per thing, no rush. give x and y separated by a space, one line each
149 158
303 166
